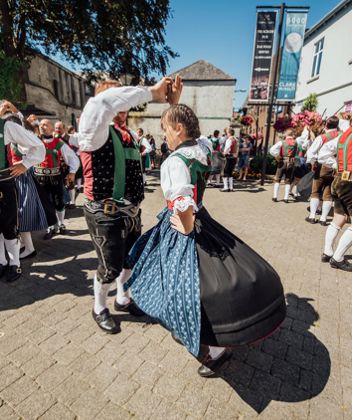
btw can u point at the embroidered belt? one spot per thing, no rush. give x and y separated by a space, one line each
111 207
345 175
47 171
170 204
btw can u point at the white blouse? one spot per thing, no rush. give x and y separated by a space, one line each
176 176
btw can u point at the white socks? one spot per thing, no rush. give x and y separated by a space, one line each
344 243
60 217
3 260
218 180
325 210
215 352
226 183
144 178
122 297
79 182
101 291
314 204
13 251
230 184
72 194
27 243
276 189
331 233
287 191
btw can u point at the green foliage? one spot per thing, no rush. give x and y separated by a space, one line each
311 103
257 163
115 37
10 78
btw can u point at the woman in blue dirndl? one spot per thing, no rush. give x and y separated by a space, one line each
200 281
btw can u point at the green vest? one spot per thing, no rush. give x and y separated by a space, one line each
3 160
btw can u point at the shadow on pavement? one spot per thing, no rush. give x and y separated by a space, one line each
291 366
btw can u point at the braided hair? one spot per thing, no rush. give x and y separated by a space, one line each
182 114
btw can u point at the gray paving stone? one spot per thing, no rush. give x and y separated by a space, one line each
143 401
19 390
38 364
7 413
53 376
89 405
35 405
58 412
121 390
53 344
8 375
171 390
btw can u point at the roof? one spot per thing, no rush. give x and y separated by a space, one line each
336 12
202 70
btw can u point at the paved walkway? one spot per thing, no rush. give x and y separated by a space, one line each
56 364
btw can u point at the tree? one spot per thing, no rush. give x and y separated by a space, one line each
310 103
116 37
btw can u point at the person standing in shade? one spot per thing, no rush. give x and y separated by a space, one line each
145 148
244 153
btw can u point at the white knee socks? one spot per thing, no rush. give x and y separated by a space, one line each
13 251
287 191
314 204
101 291
344 243
226 183
218 180
331 233
72 194
230 183
276 189
325 210
60 217
3 260
215 352
122 297
28 244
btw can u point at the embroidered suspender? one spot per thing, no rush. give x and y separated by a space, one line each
2 146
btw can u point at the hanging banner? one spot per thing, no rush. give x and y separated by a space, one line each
262 56
291 55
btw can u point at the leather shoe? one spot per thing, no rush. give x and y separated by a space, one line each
130 307
342 265
13 273
2 270
105 322
48 235
62 229
286 201
31 255
325 258
274 200
210 365
324 223
312 221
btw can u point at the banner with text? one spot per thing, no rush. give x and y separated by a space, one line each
262 57
291 55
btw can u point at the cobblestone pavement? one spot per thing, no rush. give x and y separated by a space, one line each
56 364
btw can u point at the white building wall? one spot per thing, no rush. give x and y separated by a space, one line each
334 83
211 101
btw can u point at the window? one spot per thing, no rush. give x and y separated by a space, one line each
56 89
318 53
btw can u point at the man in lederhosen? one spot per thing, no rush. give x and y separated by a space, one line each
33 153
49 175
340 147
323 172
114 185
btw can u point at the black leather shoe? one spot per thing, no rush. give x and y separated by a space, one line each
105 322
131 307
274 200
286 201
31 255
48 235
210 366
13 273
325 258
324 223
312 221
62 229
343 265
3 269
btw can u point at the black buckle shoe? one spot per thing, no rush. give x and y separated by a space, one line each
312 221
130 307
62 229
13 273
324 223
286 201
49 234
325 258
31 255
210 365
105 322
274 200
342 265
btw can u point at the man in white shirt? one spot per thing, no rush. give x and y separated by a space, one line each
33 152
323 173
114 186
231 154
145 148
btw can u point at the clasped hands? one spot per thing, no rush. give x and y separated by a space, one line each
167 90
183 221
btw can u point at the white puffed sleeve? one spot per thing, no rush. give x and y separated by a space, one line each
176 184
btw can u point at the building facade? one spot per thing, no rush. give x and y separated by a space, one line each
52 91
326 63
206 89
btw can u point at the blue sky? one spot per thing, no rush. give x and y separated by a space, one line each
222 33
